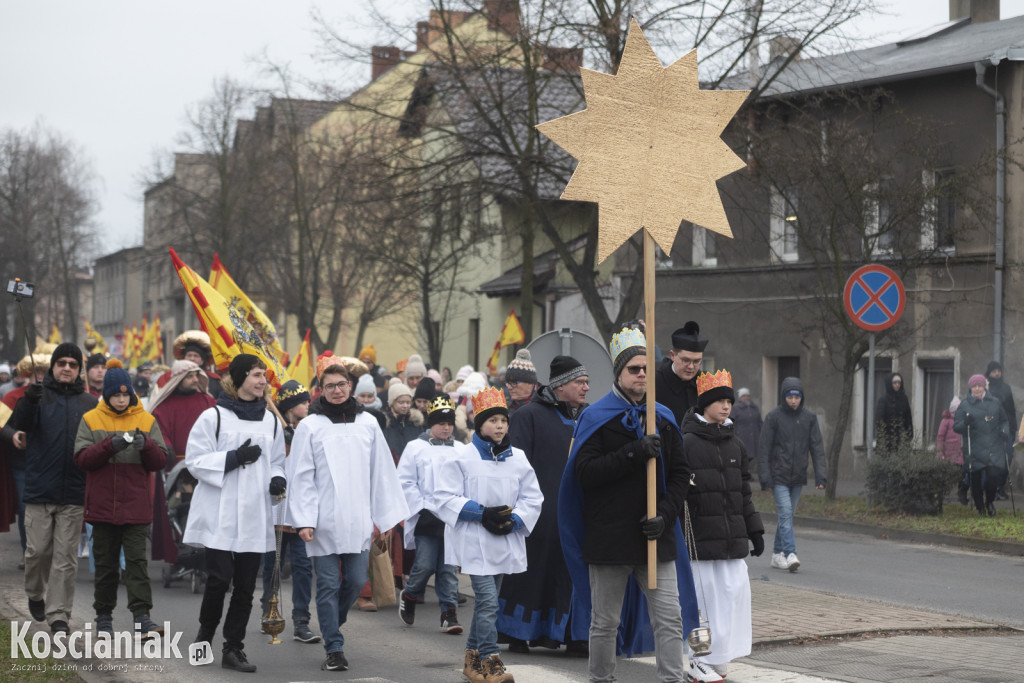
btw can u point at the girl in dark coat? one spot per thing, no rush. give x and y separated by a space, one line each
723 519
894 425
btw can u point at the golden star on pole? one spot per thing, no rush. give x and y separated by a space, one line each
649 147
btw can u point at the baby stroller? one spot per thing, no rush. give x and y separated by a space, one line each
191 564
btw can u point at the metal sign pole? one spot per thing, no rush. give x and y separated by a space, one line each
869 413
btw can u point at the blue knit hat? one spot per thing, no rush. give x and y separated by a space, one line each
116 380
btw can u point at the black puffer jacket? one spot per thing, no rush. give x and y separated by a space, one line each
51 426
788 438
614 482
721 510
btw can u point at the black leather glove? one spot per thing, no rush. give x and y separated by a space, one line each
653 528
498 513
34 393
119 442
499 528
139 440
757 538
277 486
247 454
649 447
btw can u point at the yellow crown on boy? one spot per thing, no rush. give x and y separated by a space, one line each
441 403
487 399
626 338
706 381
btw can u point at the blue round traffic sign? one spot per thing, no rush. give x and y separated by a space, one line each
874 297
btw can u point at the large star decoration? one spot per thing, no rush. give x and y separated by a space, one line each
649 147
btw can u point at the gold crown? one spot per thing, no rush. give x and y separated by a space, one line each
706 381
626 338
441 403
487 399
286 392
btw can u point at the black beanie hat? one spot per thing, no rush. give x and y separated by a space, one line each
993 365
425 389
66 350
565 369
240 367
441 410
712 395
291 394
94 360
687 338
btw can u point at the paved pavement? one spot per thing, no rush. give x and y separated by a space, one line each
800 636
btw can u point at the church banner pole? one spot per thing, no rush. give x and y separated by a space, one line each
652 464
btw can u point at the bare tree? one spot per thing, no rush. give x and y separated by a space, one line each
46 232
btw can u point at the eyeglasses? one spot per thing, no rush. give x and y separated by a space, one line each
690 362
581 382
67 364
636 369
335 387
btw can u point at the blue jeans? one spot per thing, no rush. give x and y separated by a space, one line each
19 486
302 576
483 629
336 594
786 498
430 560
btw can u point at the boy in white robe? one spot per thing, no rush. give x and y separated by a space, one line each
490 499
417 471
236 451
343 483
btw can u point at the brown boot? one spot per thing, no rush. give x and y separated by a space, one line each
472 670
496 671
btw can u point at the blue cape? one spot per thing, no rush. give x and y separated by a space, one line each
635 633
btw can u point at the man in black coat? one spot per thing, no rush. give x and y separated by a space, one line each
45 423
676 380
1001 390
535 604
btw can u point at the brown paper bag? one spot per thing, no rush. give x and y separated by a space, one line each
382 580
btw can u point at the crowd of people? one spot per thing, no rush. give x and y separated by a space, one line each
534 493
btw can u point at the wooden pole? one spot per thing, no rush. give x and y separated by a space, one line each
652 464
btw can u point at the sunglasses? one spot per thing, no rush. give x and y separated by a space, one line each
636 369
67 364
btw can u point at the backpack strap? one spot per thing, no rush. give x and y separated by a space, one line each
216 434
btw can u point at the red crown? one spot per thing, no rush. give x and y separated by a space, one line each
488 398
706 381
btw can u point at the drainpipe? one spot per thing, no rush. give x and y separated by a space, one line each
997 320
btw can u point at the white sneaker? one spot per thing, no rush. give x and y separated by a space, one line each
793 562
701 673
779 561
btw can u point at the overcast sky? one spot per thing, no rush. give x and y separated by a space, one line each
115 76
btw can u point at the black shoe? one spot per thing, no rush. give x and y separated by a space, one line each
962 497
303 634
236 661
407 609
1001 495
518 646
335 662
577 648
37 608
982 512
463 599
60 627
450 623
991 510
205 635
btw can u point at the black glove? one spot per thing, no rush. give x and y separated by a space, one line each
498 520
248 454
653 528
119 442
139 440
34 393
499 528
277 486
289 434
757 538
649 447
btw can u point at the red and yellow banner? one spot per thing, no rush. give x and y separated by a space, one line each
511 333
226 285
54 335
301 368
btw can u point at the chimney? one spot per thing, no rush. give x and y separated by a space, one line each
502 15
422 35
783 46
563 58
429 31
979 11
383 58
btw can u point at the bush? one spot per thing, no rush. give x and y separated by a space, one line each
910 481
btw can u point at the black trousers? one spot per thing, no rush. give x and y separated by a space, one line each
984 482
107 542
224 567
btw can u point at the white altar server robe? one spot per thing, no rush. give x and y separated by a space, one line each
417 472
233 510
510 482
341 482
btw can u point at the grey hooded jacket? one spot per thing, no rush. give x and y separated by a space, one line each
788 437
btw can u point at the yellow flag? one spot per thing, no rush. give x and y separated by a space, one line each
511 333
226 285
54 335
229 329
301 368
101 343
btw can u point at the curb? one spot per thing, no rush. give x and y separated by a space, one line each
905 535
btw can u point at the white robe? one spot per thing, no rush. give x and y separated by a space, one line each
726 585
489 482
417 472
233 510
341 482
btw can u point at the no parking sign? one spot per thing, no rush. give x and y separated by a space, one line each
874 297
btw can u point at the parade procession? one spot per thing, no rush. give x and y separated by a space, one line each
538 338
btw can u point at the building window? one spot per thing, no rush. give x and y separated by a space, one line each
938 224
937 375
879 231
473 353
784 225
705 252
